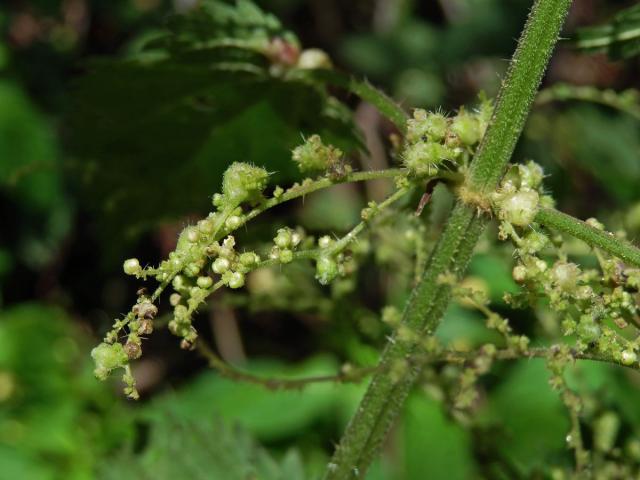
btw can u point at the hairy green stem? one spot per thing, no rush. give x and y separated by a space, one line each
386 395
606 241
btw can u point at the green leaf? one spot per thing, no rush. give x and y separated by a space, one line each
168 121
619 38
202 449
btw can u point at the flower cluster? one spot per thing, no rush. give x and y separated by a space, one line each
433 138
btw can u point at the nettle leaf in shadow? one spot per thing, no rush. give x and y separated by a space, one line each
169 123
204 450
619 38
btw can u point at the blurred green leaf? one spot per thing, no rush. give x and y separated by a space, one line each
202 449
618 38
529 415
270 415
168 125
434 446
54 416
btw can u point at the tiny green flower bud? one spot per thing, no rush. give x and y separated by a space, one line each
519 208
628 357
192 269
565 275
179 282
519 273
326 270
131 266
220 265
283 238
313 58
204 282
315 156
192 234
236 280
285 256
206 226
423 125
108 357
325 241
174 299
467 127
233 222
423 158
243 182
249 259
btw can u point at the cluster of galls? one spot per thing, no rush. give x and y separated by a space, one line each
593 303
433 138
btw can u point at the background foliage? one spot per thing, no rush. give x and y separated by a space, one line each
115 128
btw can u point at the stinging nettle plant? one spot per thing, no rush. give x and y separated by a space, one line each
469 154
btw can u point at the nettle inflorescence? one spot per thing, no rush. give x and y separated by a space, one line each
208 258
435 141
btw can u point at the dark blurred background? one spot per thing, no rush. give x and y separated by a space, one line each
65 228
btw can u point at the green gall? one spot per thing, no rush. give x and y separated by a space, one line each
315 156
326 270
131 266
107 357
243 183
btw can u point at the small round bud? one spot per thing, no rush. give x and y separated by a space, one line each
192 235
233 222
326 270
236 280
423 158
283 238
206 226
179 282
628 357
312 58
519 208
249 259
192 269
285 256
315 156
243 182
325 241
467 128
220 265
204 282
519 273
108 357
174 299
146 309
187 345
565 275
131 266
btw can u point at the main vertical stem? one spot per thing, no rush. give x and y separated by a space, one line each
386 394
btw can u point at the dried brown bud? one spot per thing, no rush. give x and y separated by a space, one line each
146 327
132 350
